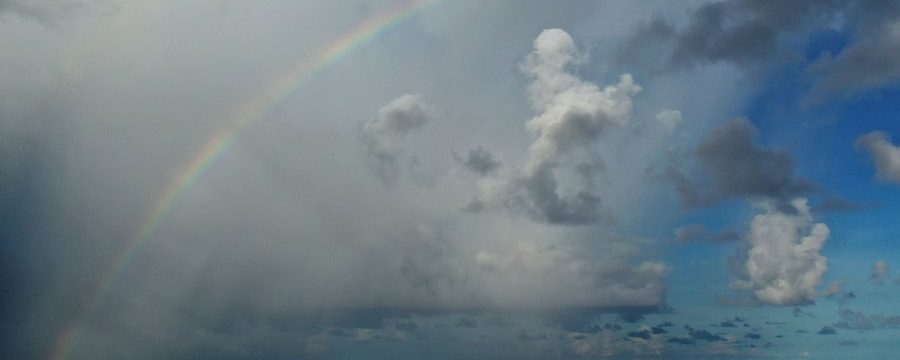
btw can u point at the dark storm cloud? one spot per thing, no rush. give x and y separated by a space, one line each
742 32
382 135
479 161
732 166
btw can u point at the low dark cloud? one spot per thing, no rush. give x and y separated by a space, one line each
855 320
827 330
752 336
700 334
870 61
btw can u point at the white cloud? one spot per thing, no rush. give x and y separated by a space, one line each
783 264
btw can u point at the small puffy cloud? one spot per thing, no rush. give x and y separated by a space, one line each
885 155
381 136
733 166
827 330
782 264
880 271
669 119
479 161
571 114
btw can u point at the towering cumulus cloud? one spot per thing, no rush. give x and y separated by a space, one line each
783 264
381 135
571 114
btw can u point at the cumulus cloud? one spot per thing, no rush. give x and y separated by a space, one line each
731 165
571 114
885 155
382 135
880 271
782 264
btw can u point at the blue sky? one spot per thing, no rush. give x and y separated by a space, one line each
462 179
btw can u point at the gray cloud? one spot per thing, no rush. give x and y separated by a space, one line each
855 320
381 135
742 32
782 263
479 161
701 334
870 61
733 166
52 12
885 155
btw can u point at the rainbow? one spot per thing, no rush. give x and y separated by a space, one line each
245 115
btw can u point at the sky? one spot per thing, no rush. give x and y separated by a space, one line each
449 179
